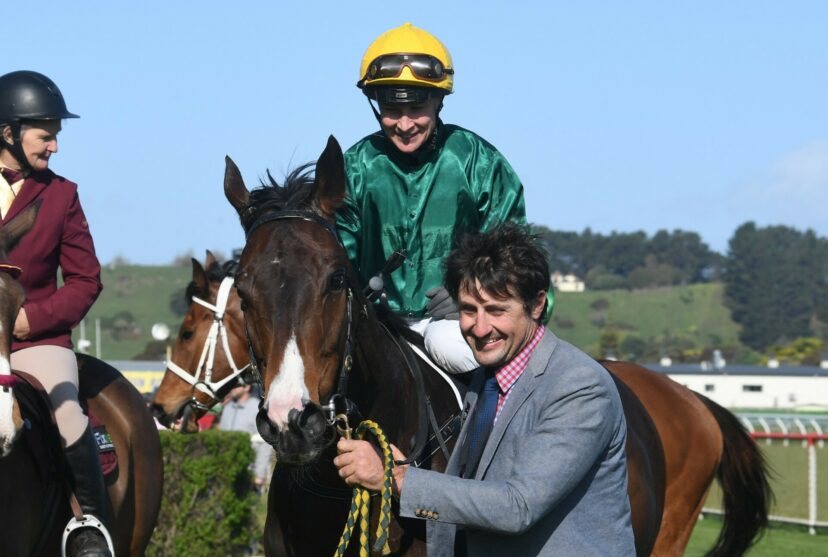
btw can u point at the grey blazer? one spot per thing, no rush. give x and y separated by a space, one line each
552 479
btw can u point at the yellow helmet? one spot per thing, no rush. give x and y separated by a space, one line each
403 57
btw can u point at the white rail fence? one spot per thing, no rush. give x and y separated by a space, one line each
811 432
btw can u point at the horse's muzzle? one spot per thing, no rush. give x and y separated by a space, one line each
306 435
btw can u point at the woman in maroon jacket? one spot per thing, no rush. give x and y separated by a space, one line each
31 111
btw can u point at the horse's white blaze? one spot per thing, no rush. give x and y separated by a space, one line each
7 432
287 391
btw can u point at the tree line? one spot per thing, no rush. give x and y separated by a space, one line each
775 277
631 259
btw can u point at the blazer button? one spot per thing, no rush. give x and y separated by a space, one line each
436 515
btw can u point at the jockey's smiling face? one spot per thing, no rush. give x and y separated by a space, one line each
408 126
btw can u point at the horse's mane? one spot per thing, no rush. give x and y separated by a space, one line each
216 272
294 194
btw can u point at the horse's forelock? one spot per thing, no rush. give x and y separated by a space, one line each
270 196
216 272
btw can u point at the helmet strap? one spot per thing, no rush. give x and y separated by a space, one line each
16 147
375 111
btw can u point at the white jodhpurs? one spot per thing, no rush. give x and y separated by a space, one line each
57 369
445 344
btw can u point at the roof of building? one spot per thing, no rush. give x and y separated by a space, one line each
735 369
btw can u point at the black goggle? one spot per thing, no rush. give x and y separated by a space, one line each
421 65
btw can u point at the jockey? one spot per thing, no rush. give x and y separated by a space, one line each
31 111
419 184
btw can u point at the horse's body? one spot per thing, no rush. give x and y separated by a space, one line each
700 441
136 492
32 474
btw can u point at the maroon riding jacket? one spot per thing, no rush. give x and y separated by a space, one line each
59 238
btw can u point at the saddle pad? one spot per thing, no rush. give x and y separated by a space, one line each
106 448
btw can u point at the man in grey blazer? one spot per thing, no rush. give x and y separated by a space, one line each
549 476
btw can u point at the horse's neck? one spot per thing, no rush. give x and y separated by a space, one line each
383 368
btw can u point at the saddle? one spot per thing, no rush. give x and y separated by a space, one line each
42 437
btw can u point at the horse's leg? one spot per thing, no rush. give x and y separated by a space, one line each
136 492
692 445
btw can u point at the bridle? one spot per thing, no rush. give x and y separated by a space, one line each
338 405
218 330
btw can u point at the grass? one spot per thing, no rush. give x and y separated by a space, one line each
696 312
778 540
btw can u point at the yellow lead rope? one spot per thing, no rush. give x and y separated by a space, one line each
361 501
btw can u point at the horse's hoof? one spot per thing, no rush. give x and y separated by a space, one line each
88 542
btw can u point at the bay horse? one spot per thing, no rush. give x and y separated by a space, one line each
202 366
304 317
32 474
701 441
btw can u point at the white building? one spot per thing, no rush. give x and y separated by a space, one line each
738 386
567 283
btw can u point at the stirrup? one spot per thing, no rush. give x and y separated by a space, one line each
88 521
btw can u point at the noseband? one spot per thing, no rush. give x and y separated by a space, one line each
205 363
338 404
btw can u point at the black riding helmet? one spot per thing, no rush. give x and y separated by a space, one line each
27 96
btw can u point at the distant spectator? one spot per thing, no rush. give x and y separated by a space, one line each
239 414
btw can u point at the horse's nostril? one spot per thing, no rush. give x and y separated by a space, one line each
315 423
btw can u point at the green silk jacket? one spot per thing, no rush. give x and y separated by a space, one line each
423 203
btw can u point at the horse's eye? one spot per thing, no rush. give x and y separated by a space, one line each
186 335
338 280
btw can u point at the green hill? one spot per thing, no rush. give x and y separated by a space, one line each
689 319
133 299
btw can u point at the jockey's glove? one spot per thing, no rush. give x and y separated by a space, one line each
441 305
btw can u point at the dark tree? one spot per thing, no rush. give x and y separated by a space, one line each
775 283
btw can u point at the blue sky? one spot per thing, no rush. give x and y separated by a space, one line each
617 116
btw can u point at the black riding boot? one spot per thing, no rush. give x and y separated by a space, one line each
88 483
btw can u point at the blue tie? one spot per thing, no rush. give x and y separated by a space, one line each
484 414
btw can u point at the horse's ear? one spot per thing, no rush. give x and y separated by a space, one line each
19 226
200 277
210 260
234 189
329 191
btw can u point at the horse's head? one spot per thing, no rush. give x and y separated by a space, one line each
295 285
210 351
11 300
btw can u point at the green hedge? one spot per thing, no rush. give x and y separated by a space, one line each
207 510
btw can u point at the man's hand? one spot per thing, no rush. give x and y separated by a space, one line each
441 305
21 325
360 464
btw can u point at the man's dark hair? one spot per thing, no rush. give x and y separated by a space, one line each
506 261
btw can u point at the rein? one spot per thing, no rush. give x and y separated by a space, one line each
218 330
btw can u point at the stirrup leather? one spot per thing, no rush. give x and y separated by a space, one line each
88 521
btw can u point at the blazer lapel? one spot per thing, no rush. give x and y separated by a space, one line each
520 393
28 193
